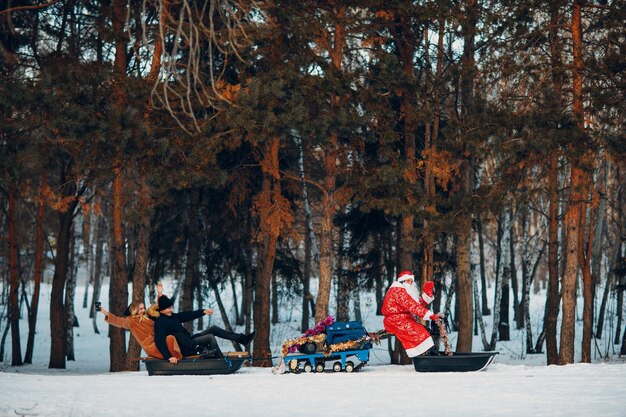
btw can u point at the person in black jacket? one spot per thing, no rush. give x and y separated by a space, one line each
170 323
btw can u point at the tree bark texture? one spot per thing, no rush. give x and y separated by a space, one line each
37 272
267 254
97 270
584 261
70 292
343 284
58 334
483 275
464 288
552 295
118 290
336 51
193 254
141 267
572 217
14 278
306 285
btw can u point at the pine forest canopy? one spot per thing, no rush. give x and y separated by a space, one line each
269 147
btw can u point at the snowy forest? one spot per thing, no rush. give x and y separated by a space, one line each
251 149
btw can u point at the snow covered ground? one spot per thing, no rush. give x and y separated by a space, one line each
515 385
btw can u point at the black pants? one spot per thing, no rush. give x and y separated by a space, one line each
205 339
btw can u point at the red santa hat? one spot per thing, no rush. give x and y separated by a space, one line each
404 275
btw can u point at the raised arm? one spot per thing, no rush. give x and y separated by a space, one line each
115 321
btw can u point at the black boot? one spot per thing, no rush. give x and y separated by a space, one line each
245 339
433 352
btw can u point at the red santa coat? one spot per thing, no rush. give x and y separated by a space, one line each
399 308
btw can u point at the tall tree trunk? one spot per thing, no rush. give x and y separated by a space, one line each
518 315
596 254
464 234
504 326
504 234
70 292
306 284
572 218
464 289
141 265
271 192
380 287
248 297
275 319
336 52
14 311
326 235
521 322
87 247
584 261
405 44
620 313
552 296
311 251
97 270
479 320
58 334
193 252
612 278
118 290
343 285
430 146
529 270
233 288
200 302
37 271
483 275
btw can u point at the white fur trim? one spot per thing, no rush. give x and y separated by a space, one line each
421 348
429 299
428 314
404 277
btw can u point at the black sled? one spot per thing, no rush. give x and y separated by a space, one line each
457 362
196 365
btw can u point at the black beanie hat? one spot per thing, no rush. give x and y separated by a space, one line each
165 302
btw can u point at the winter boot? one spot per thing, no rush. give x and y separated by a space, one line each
245 339
433 352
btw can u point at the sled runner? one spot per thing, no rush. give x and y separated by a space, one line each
337 361
457 362
196 365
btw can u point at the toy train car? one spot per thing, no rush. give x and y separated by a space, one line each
344 356
318 362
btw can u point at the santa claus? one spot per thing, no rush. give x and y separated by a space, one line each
402 302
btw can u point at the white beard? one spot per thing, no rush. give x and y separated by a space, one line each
412 290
